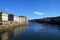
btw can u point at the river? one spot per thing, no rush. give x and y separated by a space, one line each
33 31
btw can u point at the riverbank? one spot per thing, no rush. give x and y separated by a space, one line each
4 28
48 20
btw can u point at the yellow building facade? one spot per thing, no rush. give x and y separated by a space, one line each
23 19
3 18
16 18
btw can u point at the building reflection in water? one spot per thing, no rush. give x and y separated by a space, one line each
0 36
10 34
4 36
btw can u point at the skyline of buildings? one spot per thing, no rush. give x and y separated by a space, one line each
6 18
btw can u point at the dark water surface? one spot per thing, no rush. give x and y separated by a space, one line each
33 31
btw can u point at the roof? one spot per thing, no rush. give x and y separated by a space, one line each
3 12
22 16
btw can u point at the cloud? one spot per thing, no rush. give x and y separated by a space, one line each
38 13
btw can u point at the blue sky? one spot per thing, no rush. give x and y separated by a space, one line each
31 8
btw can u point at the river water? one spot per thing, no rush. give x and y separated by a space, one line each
33 31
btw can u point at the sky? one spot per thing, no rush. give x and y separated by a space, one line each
32 9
